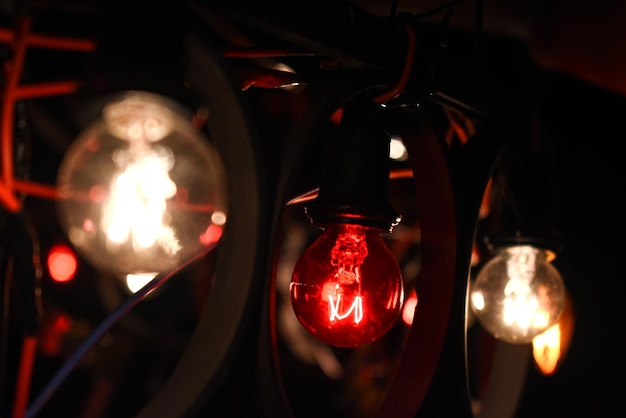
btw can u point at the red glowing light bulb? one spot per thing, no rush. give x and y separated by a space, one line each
62 263
347 287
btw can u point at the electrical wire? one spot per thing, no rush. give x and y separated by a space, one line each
402 82
479 17
447 6
97 334
24 375
407 69
394 8
21 259
7 265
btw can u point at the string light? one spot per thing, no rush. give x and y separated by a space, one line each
141 188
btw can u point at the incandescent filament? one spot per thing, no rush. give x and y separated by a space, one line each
137 207
521 306
344 292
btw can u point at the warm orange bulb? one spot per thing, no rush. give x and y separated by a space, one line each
347 287
550 347
547 349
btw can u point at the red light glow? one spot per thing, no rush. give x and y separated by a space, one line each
62 263
408 309
212 235
347 287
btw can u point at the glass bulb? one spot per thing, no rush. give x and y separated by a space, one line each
518 294
347 287
141 189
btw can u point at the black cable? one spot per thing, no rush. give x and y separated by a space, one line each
97 334
479 42
447 6
19 257
27 259
5 271
394 8
479 17
448 15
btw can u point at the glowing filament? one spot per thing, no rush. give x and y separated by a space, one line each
356 307
520 303
347 255
137 206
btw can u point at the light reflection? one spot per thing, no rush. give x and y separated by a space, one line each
408 309
397 150
135 282
550 347
547 349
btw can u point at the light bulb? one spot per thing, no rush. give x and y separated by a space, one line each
62 263
518 294
347 287
141 189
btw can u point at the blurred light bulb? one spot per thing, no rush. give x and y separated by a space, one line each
347 287
141 189
518 294
62 263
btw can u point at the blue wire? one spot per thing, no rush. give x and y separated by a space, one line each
99 332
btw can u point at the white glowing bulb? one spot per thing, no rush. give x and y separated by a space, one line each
141 189
135 282
137 206
397 150
518 294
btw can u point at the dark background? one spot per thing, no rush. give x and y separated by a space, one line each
566 61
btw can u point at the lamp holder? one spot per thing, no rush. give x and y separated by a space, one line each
523 208
550 245
355 174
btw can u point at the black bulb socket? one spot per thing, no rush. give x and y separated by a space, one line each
355 177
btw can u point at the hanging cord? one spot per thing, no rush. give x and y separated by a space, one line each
479 37
447 6
97 334
479 18
402 82
394 8
24 375
406 71
7 268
